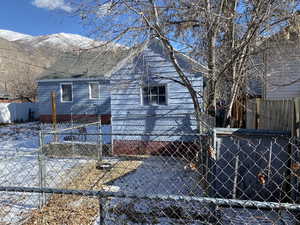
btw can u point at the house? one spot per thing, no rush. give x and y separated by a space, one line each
274 80
278 83
281 59
277 63
136 91
5 97
150 111
81 86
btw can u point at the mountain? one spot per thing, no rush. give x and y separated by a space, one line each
61 41
12 36
19 64
25 58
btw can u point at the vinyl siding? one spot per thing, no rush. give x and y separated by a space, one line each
283 67
81 103
129 116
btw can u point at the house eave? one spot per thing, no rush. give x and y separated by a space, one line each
72 79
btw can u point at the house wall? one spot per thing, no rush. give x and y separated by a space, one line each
282 68
80 107
129 116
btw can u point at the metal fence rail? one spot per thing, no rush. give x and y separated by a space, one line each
82 177
118 194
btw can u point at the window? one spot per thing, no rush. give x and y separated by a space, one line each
94 90
155 95
66 92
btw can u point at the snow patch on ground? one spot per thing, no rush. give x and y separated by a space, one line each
166 176
19 166
156 175
23 171
161 175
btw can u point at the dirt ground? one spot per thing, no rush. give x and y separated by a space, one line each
74 209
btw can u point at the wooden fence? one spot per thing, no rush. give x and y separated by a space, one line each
281 115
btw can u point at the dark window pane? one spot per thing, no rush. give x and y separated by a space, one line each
146 100
154 100
154 91
95 91
66 92
145 91
162 90
162 100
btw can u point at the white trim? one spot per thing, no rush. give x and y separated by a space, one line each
154 85
61 95
141 96
90 91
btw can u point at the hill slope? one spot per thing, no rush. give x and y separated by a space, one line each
25 58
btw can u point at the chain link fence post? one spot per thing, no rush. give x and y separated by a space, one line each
100 141
42 169
102 210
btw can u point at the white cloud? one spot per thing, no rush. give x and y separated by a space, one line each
52 4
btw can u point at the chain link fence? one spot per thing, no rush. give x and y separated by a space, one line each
82 175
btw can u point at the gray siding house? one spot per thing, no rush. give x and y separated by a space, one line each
276 72
282 65
145 99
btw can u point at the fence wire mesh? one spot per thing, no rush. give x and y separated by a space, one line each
84 174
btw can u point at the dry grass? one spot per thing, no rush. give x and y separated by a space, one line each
75 210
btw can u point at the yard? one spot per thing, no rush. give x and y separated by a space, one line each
19 167
140 175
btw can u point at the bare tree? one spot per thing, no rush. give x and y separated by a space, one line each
221 35
23 87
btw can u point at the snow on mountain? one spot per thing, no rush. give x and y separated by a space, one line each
12 36
60 41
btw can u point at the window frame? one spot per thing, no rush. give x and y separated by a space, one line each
90 91
61 92
152 86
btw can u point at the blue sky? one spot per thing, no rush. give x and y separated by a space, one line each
38 17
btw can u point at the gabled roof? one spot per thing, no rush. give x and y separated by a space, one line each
95 64
187 63
85 64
